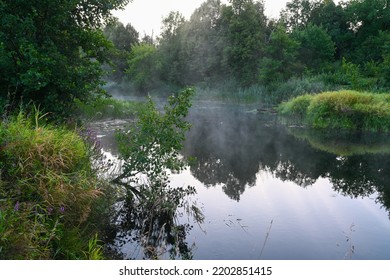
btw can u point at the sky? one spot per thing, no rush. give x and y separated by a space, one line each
146 15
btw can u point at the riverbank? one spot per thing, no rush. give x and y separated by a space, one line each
348 110
49 187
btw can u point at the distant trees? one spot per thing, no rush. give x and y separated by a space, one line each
237 42
143 66
123 38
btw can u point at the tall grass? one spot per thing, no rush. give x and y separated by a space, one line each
47 190
349 110
104 108
270 95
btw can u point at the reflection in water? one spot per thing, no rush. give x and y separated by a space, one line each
241 160
231 146
144 224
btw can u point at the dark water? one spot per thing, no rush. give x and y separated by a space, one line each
270 191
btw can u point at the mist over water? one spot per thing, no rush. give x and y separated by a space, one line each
269 191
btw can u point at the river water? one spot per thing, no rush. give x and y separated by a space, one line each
274 191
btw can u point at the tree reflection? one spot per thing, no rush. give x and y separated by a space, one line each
231 147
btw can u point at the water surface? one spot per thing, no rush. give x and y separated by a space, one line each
271 191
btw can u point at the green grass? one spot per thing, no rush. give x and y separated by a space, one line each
104 108
350 110
47 190
270 95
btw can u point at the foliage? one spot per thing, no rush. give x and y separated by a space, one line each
244 25
150 148
123 39
202 44
143 67
349 110
103 108
297 14
344 43
281 59
316 47
154 143
47 189
51 51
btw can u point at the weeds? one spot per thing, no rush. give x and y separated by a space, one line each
47 188
104 108
348 110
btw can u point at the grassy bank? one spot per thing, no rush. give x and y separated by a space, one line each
104 108
47 191
350 110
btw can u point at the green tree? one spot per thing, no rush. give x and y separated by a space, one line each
280 61
52 50
367 20
297 13
143 66
333 19
170 49
317 49
244 24
123 38
202 45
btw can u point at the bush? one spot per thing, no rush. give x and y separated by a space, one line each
103 108
47 189
341 110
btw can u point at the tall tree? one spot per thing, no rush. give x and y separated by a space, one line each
143 66
170 49
281 59
52 50
202 44
333 19
367 20
123 38
317 49
244 25
297 13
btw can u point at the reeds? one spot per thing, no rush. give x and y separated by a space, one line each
47 187
349 110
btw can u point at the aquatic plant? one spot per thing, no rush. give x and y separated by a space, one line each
349 110
104 108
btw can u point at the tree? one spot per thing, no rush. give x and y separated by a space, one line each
170 49
297 13
201 43
316 47
281 60
244 24
367 19
143 66
123 38
333 19
52 50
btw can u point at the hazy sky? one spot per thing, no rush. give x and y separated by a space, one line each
146 15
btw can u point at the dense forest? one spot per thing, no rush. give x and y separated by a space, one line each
316 45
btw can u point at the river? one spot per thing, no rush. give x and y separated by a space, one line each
274 191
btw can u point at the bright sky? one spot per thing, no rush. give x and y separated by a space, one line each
146 15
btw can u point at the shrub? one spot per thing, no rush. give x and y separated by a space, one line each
341 110
47 188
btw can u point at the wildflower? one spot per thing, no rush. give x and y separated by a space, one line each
62 209
17 205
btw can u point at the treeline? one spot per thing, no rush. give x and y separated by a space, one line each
348 44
